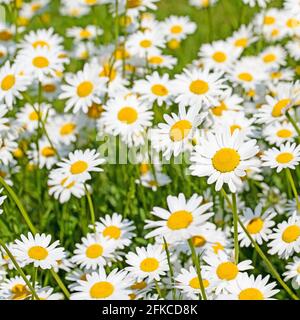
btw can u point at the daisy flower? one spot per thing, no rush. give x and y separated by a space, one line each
253 3
84 33
172 137
126 117
93 251
12 83
243 37
228 102
223 270
116 228
181 220
154 88
198 87
150 262
218 55
187 282
47 293
37 249
15 289
100 286
62 189
83 89
224 158
286 238
258 224
178 27
79 164
293 272
279 132
158 60
40 62
202 3
273 56
145 43
287 156
247 287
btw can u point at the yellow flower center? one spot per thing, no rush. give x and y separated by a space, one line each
218 111
139 285
198 241
245 76
195 283
255 225
85 89
40 43
276 75
176 29
79 167
159 90
84 33
69 186
156 60
179 220
90 2
269 20
20 292
271 57
235 127
5 35
112 232
279 106
227 271
40 62
8 82
284 133
149 265
95 111
49 88
128 115
133 3
199 87
217 247
292 23
285 157
67 128
219 56
109 72
173 44
94 251
242 42
102 290
180 130
291 234
226 160
38 253
33 116
251 294
48 152
146 43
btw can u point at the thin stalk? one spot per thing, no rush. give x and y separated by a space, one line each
269 263
170 269
20 271
60 284
235 228
264 257
158 289
293 122
292 182
19 204
91 207
196 261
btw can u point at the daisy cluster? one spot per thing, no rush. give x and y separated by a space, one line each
213 188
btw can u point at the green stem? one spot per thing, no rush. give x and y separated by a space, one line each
235 228
196 261
18 204
292 182
263 256
170 268
268 263
91 207
293 122
158 289
60 284
20 271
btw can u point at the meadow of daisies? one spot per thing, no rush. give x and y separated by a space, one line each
149 150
